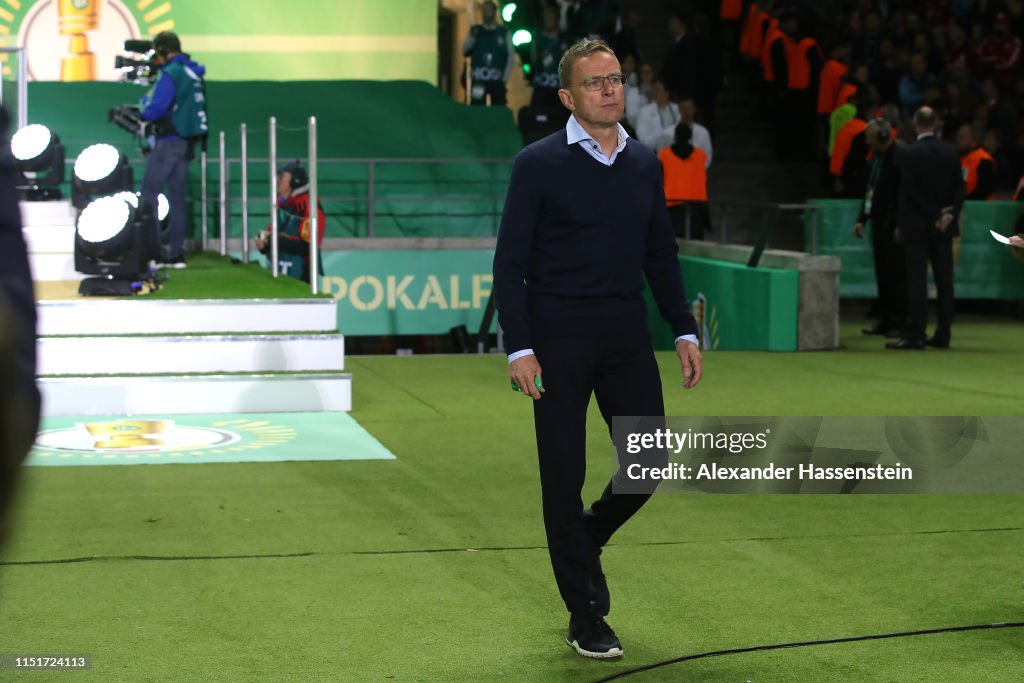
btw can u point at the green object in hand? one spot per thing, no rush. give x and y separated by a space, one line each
536 382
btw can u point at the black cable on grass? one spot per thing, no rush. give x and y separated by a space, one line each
808 643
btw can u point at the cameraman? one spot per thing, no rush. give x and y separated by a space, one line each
177 105
293 229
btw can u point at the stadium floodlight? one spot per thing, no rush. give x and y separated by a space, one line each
99 170
522 37
39 160
115 240
508 11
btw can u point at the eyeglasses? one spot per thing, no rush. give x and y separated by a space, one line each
595 83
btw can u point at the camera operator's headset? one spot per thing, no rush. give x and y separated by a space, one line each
299 175
165 43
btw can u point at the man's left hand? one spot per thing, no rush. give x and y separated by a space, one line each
690 360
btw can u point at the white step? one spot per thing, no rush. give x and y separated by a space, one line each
127 395
48 267
187 316
190 354
35 214
50 239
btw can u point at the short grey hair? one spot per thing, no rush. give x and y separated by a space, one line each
583 48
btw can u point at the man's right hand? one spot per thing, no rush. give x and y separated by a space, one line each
523 371
858 230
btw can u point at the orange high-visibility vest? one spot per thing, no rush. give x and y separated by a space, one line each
748 25
844 138
686 180
798 64
774 34
828 85
969 163
758 32
732 9
846 93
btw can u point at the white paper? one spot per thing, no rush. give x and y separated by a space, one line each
999 238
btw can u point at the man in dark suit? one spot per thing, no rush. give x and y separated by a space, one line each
585 224
879 210
930 197
678 68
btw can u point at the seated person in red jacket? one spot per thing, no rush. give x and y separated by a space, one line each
293 224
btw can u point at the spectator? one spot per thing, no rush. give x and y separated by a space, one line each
888 70
639 95
914 84
656 125
959 47
1000 52
492 56
678 69
699 135
686 184
1000 112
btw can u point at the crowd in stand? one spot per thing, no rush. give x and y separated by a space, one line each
887 58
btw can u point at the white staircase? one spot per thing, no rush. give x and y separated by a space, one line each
138 357
49 229
122 357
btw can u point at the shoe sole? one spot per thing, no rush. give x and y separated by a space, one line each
610 654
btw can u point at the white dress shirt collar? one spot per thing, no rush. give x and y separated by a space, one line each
575 133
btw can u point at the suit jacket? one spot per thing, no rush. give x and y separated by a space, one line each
930 180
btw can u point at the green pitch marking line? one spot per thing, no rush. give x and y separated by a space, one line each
149 440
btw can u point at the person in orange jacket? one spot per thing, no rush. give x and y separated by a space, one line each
684 172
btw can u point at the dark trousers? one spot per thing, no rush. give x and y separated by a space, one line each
167 165
497 90
695 215
936 248
619 369
890 276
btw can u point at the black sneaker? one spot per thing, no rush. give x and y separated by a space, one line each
592 637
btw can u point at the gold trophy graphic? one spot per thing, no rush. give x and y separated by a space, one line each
77 17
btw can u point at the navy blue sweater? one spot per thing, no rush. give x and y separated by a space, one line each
575 229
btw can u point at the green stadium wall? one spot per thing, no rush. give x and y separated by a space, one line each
984 269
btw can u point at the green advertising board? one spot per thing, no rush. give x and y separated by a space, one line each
77 40
404 292
983 268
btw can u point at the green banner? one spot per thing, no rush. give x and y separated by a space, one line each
77 40
736 307
399 292
983 268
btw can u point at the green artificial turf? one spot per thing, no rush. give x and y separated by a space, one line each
212 276
432 567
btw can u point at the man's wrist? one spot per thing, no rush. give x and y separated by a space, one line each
519 354
692 338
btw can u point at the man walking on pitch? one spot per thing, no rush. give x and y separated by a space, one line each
584 223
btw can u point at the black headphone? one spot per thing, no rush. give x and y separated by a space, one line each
166 42
299 175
